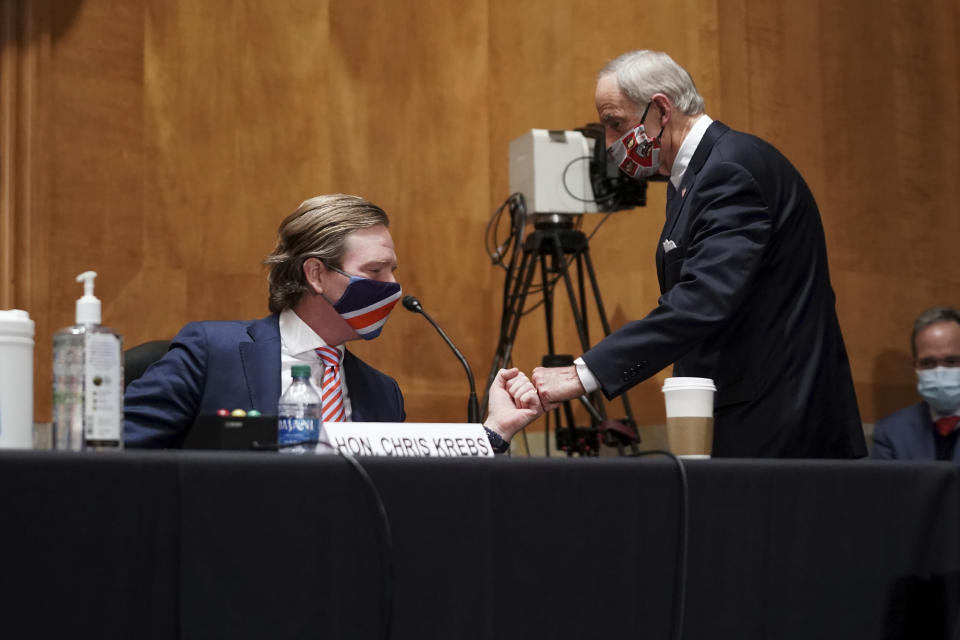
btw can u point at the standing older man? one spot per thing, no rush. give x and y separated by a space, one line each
742 263
928 430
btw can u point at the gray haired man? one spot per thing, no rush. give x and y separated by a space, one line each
742 264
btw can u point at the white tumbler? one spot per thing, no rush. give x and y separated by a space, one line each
16 379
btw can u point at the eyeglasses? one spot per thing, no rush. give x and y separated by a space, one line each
933 363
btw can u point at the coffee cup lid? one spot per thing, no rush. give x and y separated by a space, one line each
688 383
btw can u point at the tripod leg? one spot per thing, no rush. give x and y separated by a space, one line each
581 288
547 303
578 319
571 421
548 320
602 314
518 301
595 397
510 319
561 266
548 248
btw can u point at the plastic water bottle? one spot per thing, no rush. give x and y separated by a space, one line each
299 412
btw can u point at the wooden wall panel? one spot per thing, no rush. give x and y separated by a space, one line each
410 93
890 195
169 138
86 164
24 40
236 115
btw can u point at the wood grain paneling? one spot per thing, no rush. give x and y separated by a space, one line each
236 124
412 130
25 37
161 142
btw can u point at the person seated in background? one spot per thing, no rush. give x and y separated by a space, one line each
928 429
331 280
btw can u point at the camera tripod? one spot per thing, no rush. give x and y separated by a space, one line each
553 248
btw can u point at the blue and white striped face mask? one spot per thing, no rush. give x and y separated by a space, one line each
366 304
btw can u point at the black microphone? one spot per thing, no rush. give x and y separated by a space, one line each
410 303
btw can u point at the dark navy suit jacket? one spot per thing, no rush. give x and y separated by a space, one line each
233 365
907 434
746 300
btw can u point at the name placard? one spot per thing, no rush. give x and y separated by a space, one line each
409 439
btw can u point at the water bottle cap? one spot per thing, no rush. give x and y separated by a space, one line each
300 371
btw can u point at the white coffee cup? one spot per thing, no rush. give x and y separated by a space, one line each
689 403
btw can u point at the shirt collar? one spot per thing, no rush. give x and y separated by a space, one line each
687 148
936 416
297 336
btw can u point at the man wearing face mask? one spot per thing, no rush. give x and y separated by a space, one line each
331 281
742 263
928 429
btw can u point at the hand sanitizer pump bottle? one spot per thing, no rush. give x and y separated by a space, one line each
87 379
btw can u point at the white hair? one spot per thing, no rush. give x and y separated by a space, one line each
641 74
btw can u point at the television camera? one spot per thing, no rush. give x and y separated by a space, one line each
557 176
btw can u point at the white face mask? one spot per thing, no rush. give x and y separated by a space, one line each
940 387
636 153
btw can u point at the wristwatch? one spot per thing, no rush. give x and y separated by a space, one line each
496 441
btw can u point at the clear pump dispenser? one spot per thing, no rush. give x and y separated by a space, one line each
87 379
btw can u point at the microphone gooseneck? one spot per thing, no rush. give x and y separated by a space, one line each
410 303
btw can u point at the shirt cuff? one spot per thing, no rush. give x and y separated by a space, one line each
587 379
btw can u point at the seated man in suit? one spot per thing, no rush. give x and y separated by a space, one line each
928 429
742 263
331 281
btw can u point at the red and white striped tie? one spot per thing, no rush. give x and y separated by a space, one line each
331 394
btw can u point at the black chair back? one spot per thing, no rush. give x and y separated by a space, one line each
136 360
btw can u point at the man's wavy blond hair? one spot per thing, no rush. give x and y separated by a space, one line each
317 229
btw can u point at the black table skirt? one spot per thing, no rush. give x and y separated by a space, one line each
199 545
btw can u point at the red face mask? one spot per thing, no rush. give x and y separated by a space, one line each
636 153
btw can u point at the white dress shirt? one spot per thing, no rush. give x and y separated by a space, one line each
297 346
684 154
687 148
934 416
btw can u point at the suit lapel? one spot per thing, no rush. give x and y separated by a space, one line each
660 255
676 197
357 389
261 364
710 137
674 203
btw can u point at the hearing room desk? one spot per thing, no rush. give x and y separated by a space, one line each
198 545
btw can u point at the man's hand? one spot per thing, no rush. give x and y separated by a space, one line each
556 385
513 403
